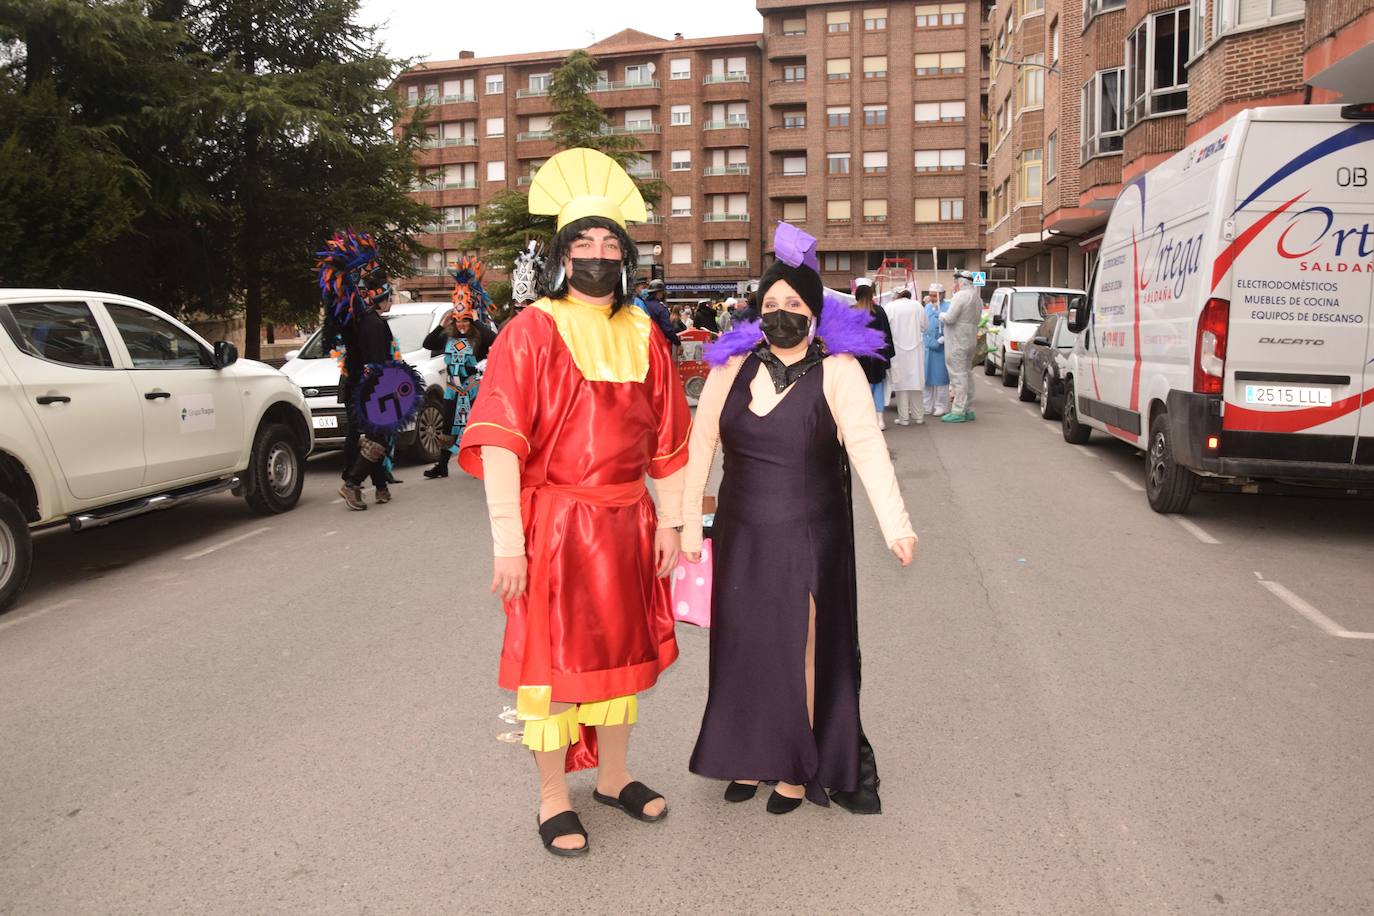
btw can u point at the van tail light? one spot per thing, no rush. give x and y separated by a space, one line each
1209 360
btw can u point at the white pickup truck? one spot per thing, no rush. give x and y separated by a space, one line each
110 408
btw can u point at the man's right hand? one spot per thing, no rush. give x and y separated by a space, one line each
511 577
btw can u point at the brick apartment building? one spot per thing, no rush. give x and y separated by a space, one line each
859 122
1126 83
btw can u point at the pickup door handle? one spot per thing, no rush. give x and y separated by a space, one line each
156 395
54 399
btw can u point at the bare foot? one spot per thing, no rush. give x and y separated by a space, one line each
652 809
787 790
558 806
746 782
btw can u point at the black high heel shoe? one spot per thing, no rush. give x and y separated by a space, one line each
439 470
740 791
782 804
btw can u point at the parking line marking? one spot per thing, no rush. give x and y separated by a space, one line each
39 613
1326 624
1130 484
1193 529
223 544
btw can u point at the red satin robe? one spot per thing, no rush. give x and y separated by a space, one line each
609 617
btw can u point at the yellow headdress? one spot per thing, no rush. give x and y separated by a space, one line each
578 183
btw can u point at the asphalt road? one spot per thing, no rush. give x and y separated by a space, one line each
1078 706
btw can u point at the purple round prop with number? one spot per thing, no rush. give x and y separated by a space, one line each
388 397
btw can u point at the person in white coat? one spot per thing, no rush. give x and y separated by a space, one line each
961 337
908 373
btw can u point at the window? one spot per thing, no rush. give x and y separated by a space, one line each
736 114
681 160
682 206
927 64
1054 41
837 21
927 210
794 119
680 68
539 125
1031 6
875 19
793 166
951 208
875 211
875 115
1004 118
60 332
155 343
1030 82
794 211
639 119
948 112
1032 174
837 116
795 26
459 219
1092 8
682 253
1198 25
496 127
496 171
1101 114
939 160
930 15
943 63
875 68
794 73
837 211
459 90
1157 66
681 115
637 75
951 61
875 163
834 260
837 164
539 82
735 68
837 68
1239 14
496 84
1051 148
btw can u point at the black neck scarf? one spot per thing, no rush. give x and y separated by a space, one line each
784 375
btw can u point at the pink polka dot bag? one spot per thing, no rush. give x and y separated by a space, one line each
692 589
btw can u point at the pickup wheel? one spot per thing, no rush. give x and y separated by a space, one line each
1168 486
16 552
275 471
429 426
1075 433
1049 405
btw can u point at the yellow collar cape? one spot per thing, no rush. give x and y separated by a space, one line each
578 183
604 347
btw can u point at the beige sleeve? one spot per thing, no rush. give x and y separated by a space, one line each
701 450
851 402
669 492
501 473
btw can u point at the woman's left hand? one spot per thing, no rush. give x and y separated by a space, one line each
905 548
667 546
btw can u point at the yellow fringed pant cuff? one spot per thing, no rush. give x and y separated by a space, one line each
561 729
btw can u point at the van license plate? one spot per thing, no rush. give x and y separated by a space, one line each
326 422
1287 396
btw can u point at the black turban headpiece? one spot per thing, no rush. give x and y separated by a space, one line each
803 279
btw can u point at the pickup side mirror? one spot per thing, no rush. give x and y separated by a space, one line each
292 354
997 321
1041 341
226 354
1079 313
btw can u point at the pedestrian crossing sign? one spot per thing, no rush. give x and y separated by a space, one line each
980 278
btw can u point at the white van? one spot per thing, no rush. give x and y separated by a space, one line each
1228 319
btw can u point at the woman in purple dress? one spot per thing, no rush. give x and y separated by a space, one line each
790 405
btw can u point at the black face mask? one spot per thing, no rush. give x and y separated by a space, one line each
595 277
785 329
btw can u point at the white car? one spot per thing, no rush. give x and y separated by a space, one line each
110 408
1016 311
312 368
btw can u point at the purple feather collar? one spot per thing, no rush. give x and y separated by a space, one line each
842 328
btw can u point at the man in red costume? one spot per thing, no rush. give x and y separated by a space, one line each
579 403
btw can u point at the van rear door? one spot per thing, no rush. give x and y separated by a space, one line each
1302 246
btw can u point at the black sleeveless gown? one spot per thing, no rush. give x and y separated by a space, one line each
784 531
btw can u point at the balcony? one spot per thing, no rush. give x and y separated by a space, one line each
534 135
460 185
644 174
444 142
451 99
712 264
466 226
785 45
782 184
786 93
725 170
786 138
524 180
531 93
714 79
623 86
740 124
641 127
725 218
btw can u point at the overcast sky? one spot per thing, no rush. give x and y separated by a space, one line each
439 29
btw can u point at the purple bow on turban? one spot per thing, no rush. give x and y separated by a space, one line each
795 247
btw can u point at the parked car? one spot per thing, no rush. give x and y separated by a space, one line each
314 370
1043 363
1016 312
110 408
1227 329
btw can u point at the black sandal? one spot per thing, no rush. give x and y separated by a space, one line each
564 824
634 798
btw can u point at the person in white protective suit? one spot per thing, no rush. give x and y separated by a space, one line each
961 336
908 372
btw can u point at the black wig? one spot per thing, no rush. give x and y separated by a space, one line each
554 282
